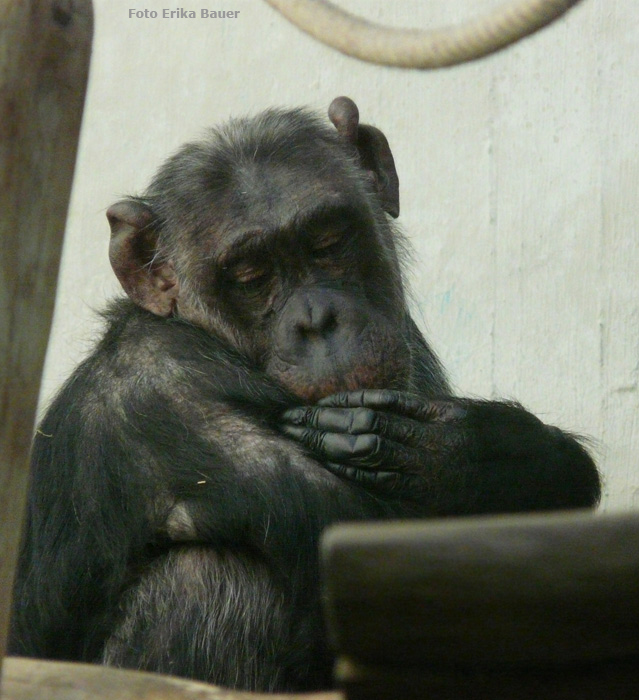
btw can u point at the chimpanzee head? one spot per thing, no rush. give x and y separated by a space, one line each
273 234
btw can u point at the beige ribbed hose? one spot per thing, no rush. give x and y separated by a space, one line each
420 48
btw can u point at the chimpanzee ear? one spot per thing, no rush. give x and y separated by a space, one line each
374 152
151 284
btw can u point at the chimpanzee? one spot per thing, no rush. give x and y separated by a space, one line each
262 380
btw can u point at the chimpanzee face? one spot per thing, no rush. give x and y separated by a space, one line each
278 244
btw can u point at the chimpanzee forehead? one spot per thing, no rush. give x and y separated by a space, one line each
276 195
259 174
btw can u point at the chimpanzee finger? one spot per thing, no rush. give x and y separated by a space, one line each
399 402
390 481
360 421
354 421
367 451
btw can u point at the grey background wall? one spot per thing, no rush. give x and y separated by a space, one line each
520 188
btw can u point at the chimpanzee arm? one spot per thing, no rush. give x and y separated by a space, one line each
452 456
159 437
80 528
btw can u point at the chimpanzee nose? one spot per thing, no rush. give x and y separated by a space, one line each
317 322
317 319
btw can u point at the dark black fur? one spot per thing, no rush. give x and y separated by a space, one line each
183 475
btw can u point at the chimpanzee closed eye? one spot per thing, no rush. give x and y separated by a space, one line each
262 380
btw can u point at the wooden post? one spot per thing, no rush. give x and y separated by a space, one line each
44 58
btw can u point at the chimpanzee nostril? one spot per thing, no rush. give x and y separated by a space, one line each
316 317
320 321
315 323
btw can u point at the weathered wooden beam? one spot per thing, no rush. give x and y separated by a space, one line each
529 601
44 59
28 679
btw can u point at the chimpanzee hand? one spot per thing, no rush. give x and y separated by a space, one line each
442 449
379 437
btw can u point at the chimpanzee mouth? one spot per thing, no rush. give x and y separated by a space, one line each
311 385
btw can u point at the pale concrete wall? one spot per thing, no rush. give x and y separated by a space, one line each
520 181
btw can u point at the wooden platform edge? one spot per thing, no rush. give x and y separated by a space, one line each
31 679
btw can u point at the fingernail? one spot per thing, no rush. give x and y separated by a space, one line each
292 431
294 415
